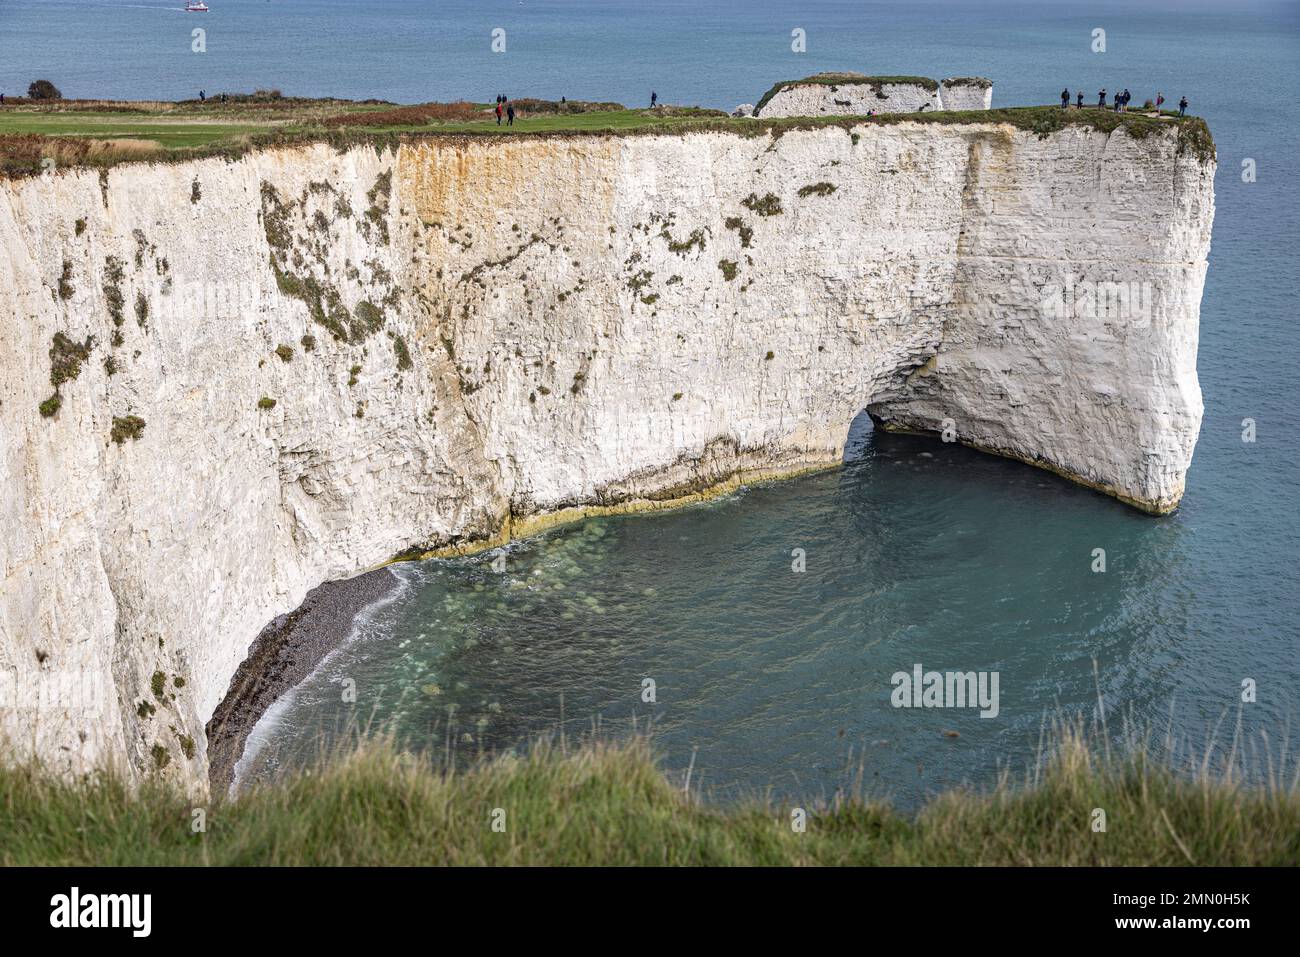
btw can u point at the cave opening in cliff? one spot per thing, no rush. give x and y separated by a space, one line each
859 437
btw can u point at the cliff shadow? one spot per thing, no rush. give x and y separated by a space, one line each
858 441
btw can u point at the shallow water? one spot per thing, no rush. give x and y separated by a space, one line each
776 681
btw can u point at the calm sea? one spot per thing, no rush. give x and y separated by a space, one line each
917 552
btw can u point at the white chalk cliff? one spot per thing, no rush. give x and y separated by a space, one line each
856 94
966 93
530 324
850 97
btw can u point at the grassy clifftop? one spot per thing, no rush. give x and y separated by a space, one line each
610 805
101 134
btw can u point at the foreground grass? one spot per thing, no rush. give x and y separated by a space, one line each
610 805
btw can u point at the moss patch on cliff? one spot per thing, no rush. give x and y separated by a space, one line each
114 274
126 427
769 204
66 358
402 353
816 189
741 228
475 275
375 216
369 316
696 240
639 280
66 289
298 246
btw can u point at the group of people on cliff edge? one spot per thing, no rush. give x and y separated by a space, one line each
1121 101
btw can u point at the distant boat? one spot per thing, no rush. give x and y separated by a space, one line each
199 7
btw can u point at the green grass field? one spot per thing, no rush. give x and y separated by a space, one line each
611 120
180 124
190 131
168 133
609 805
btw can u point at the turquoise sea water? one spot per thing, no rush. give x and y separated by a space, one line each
918 552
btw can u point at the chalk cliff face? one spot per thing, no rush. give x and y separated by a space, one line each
486 331
966 93
850 98
854 94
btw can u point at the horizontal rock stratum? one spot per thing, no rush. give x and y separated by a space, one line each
225 381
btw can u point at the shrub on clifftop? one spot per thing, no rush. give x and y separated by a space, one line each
43 90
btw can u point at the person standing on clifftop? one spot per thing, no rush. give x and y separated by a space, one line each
1182 107
510 114
498 112
1079 102
1101 98
1065 98
654 98
1160 100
